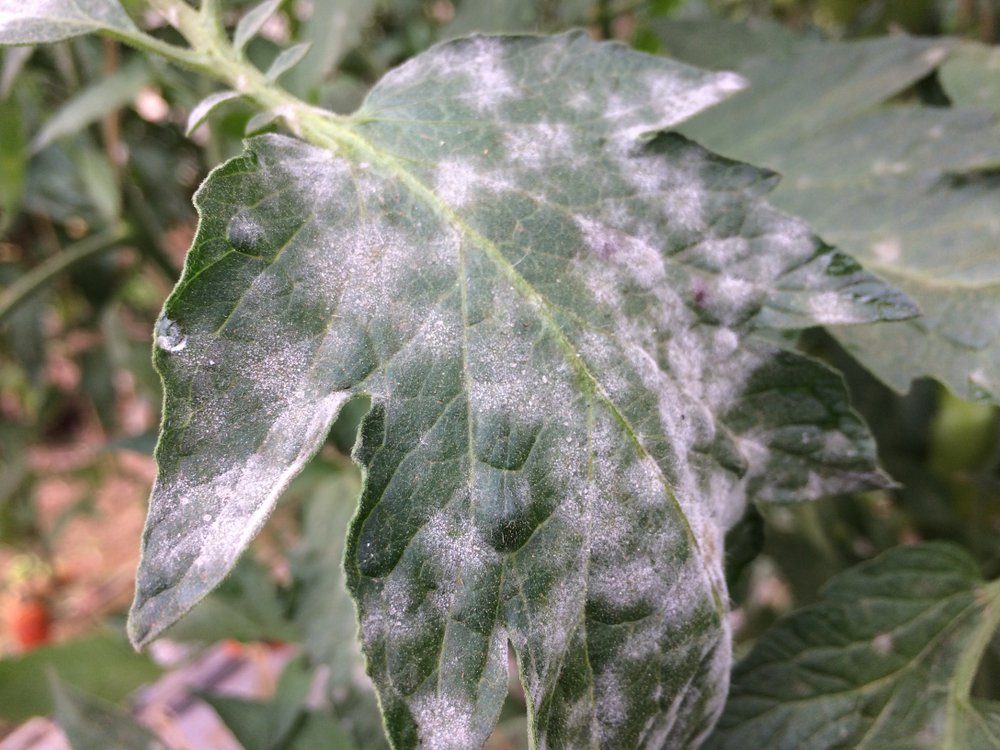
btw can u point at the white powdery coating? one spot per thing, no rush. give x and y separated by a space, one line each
832 308
440 332
669 99
458 183
643 261
733 296
675 186
482 59
213 547
444 722
455 182
16 12
169 336
394 614
549 634
540 145
374 269
457 547
610 696
888 250
504 375
478 62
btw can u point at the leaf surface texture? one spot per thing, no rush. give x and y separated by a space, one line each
551 305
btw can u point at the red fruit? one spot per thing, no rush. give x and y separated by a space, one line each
31 624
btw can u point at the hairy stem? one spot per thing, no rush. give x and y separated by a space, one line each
218 58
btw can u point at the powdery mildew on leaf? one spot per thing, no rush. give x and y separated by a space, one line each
911 191
550 307
40 21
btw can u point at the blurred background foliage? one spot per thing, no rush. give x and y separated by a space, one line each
96 180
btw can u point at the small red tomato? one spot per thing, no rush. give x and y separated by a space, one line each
31 623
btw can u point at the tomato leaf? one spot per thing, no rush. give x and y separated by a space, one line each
551 305
888 656
911 191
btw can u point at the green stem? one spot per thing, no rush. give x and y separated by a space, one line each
37 278
219 59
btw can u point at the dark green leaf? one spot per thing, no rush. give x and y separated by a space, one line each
13 161
551 308
285 723
287 60
518 16
885 661
247 607
206 106
14 60
723 45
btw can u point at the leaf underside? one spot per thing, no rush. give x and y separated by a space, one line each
882 662
551 307
912 191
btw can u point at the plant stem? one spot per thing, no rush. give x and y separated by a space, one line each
37 278
219 59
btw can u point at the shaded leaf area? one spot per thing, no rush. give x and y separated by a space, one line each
92 103
40 21
551 310
313 609
518 16
94 724
324 612
971 76
333 30
911 191
286 723
885 660
24 689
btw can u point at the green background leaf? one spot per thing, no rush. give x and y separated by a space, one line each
886 660
94 724
24 689
909 190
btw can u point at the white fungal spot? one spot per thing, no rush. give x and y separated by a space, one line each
832 308
169 336
458 183
539 145
444 722
882 644
888 250
935 55
881 167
